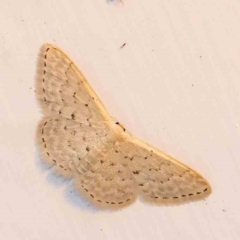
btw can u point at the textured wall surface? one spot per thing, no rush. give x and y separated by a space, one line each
174 84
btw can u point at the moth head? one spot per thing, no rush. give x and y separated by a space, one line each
118 127
121 126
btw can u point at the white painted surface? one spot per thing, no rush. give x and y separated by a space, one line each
175 85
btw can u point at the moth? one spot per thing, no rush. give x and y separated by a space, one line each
82 141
